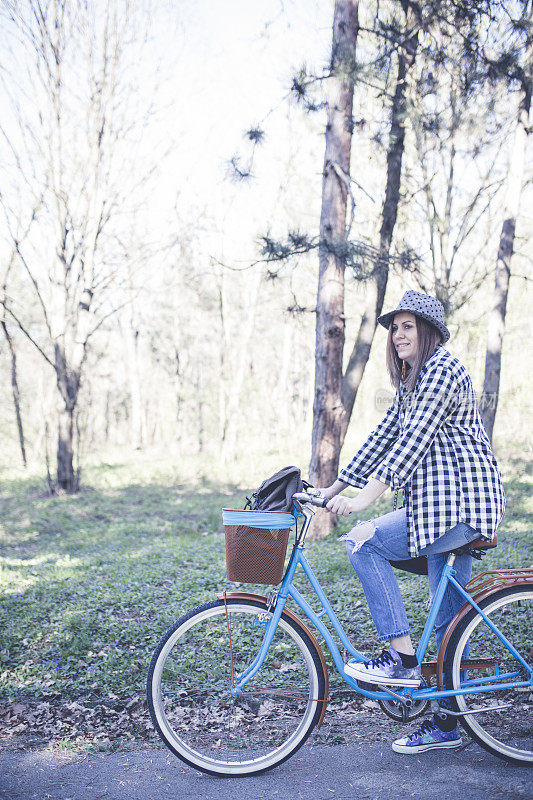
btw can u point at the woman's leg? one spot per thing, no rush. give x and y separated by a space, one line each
452 601
387 540
376 543
440 731
437 553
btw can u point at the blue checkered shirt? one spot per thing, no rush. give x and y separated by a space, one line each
432 444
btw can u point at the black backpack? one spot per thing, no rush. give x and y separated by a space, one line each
275 494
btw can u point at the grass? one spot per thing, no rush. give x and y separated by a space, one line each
89 583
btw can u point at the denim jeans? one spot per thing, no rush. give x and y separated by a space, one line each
389 542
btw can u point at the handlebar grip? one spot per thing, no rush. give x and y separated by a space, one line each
303 497
319 502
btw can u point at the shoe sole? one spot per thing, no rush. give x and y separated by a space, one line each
361 676
421 748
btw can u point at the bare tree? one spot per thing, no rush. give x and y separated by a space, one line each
17 239
75 122
15 389
377 285
335 392
129 325
457 131
242 350
515 178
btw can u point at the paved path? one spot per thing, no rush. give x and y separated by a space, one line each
348 772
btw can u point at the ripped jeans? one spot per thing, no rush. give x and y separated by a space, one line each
388 541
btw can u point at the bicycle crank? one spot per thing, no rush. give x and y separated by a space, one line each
402 709
401 713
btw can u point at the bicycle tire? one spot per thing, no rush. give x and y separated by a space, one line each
189 683
508 733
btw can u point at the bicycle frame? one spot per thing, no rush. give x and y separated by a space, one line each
287 589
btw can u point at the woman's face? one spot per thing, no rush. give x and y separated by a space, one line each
404 336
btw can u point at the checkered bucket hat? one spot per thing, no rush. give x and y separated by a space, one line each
421 305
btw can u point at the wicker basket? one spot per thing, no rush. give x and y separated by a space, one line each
256 554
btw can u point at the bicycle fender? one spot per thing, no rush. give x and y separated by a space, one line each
295 618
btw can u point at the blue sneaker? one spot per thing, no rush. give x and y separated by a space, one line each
386 668
428 737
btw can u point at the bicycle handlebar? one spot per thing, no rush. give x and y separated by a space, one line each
304 497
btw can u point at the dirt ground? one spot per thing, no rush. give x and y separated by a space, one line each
113 723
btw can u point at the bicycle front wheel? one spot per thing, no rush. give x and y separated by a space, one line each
507 733
189 689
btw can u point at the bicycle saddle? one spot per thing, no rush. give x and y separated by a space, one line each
476 547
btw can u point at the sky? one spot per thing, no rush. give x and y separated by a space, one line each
223 67
238 59
234 63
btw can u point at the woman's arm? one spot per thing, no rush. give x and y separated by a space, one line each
335 488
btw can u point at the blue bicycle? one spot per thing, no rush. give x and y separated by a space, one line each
236 685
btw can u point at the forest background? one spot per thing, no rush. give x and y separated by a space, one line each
187 189
163 180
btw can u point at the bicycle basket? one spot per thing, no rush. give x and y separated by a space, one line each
256 544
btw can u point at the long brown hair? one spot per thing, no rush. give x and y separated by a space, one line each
428 337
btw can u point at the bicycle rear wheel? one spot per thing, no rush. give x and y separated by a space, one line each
189 689
507 733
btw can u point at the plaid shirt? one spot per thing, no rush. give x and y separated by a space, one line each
432 444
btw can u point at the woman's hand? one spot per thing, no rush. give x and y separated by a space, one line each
353 505
346 505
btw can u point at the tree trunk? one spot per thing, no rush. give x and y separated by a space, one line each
327 407
235 399
496 323
199 407
327 404
223 362
137 420
179 391
378 284
66 479
68 383
107 416
16 392
47 457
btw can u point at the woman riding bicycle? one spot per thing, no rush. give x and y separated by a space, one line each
432 444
